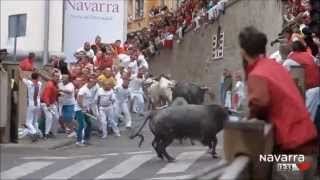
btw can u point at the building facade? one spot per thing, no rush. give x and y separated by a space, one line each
36 37
46 28
139 11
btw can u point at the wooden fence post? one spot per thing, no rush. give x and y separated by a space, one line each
4 110
251 138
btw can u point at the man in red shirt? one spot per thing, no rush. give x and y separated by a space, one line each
27 63
103 60
118 48
49 99
273 95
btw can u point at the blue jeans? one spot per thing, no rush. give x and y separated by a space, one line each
82 119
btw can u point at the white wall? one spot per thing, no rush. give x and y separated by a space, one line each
33 41
56 26
84 24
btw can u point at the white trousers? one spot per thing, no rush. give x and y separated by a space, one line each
313 101
32 119
123 107
228 100
107 117
137 102
52 116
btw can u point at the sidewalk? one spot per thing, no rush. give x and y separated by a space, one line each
59 141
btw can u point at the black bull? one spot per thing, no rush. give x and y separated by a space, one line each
192 93
200 122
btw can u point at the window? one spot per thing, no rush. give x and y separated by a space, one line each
17 25
139 9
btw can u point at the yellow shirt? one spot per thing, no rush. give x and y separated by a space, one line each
102 78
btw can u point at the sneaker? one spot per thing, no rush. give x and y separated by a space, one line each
117 134
45 137
85 142
73 134
34 138
80 144
104 136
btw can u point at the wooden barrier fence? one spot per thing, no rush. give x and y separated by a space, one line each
4 101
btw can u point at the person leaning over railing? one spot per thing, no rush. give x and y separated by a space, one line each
274 97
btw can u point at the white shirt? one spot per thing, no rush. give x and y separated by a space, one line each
276 55
134 67
124 60
143 61
89 53
94 91
135 85
66 98
119 80
288 63
31 88
122 94
106 98
87 98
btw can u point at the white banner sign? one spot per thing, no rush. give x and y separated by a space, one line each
85 19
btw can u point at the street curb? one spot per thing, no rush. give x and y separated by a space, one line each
62 143
231 3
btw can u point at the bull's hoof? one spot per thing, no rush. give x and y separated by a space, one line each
171 160
215 156
160 157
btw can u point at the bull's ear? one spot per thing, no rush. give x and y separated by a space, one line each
204 88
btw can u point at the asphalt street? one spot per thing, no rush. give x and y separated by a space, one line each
111 158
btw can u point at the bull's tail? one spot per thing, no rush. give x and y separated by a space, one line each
138 133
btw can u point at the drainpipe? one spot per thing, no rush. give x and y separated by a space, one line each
46 31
